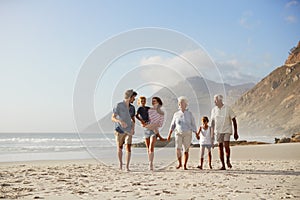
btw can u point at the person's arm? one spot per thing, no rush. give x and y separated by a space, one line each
133 119
132 125
193 124
236 136
169 135
172 127
115 119
213 123
140 119
138 115
212 136
198 133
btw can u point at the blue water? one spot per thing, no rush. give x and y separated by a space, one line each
65 146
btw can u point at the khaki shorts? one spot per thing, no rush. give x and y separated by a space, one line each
123 138
223 137
183 139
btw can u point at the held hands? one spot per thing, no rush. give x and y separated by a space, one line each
169 138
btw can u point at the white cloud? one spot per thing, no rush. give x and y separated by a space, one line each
177 68
291 11
291 3
235 72
247 20
170 71
244 20
291 19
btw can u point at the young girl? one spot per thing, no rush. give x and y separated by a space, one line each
142 115
206 140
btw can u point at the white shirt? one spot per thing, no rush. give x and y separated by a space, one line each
183 121
205 137
222 118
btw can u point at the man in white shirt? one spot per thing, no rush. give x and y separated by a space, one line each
221 118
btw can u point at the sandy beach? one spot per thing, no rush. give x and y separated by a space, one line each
259 172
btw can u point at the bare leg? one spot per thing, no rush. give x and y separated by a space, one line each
209 159
201 163
147 142
128 156
221 155
159 136
120 153
201 157
151 151
186 157
227 150
178 152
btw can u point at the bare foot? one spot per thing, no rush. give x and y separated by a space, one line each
222 168
199 167
229 165
210 166
185 168
127 170
151 166
177 167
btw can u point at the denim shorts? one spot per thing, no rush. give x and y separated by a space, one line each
148 133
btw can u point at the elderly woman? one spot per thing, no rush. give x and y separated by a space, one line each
183 123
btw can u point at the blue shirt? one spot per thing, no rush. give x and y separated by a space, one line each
143 112
183 121
124 114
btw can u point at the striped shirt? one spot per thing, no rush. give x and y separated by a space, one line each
155 117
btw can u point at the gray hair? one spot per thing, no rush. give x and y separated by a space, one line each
183 99
219 97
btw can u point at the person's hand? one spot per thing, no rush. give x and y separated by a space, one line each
169 138
123 124
236 136
197 136
132 131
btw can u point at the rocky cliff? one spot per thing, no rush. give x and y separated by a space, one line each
272 107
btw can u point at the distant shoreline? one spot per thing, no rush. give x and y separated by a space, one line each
160 144
294 139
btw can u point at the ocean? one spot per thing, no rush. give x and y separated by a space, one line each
68 146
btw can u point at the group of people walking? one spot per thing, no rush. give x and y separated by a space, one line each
183 125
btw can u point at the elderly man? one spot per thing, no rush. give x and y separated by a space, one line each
222 118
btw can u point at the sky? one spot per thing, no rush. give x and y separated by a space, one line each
44 46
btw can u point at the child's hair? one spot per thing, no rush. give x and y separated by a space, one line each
205 119
140 99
